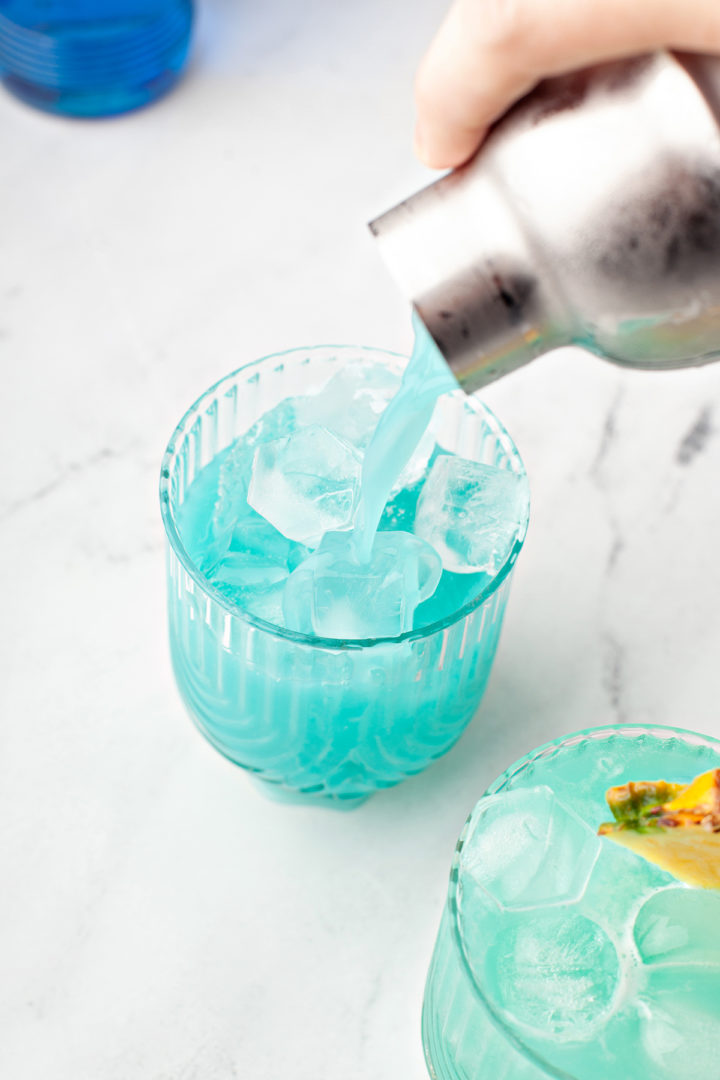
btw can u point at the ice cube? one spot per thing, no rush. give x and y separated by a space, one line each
350 404
333 594
253 582
528 850
471 513
253 534
266 603
619 879
680 1023
306 483
275 423
679 926
244 570
237 460
257 560
555 973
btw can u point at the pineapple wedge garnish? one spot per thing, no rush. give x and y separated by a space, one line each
676 826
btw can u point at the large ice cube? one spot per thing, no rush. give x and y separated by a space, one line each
555 973
471 513
306 483
528 850
333 594
679 926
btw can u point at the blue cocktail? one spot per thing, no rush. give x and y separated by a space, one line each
561 955
328 658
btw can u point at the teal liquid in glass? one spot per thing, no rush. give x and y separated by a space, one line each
561 954
390 446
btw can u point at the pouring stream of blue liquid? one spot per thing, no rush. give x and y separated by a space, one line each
399 430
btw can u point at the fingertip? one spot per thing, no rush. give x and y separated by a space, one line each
467 145
436 152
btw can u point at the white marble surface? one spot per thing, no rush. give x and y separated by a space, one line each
158 919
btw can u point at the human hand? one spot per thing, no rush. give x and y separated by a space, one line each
489 53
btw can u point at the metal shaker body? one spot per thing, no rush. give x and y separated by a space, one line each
591 215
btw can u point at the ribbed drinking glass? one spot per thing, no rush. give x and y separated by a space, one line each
561 954
92 57
313 718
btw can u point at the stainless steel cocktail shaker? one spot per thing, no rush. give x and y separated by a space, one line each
590 216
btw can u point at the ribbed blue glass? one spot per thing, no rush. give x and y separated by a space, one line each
318 720
92 57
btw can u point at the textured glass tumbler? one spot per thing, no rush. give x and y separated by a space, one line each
92 57
466 1035
321 719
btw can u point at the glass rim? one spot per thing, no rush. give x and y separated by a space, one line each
574 738
337 644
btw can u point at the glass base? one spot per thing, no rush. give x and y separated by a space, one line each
88 104
272 789
280 794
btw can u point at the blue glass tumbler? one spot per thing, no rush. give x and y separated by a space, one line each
92 57
319 721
